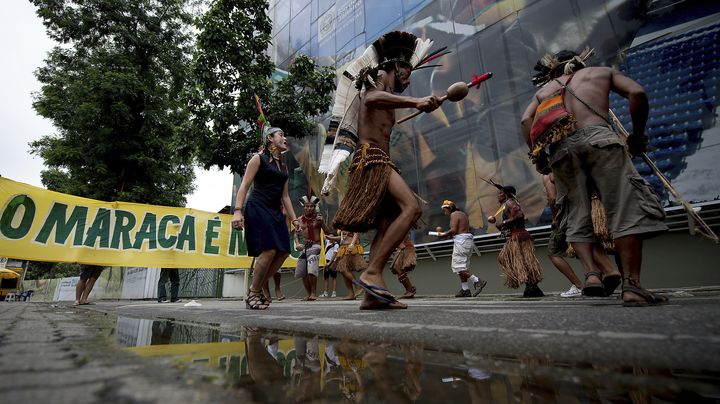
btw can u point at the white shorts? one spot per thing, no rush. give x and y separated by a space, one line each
309 262
462 251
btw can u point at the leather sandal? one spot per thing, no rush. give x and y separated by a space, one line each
649 298
593 289
256 301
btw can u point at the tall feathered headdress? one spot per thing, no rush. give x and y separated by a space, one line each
549 65
392 47
312 199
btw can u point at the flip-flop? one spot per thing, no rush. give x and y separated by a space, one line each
375 291
372 303
610 283
650 299
279 298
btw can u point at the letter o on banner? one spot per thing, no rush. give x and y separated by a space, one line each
8 217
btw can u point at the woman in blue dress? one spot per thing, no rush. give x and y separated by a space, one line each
261 214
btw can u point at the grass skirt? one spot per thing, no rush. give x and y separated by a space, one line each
350 263
405 261
518 261
360 209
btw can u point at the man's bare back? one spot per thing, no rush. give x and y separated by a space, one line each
592 85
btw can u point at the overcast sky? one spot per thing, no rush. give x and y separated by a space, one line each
24 45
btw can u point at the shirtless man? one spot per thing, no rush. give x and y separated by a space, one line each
462 249
594 154
378 197
308 265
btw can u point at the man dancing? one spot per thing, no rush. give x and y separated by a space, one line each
582 149
378 197
462 249
405 261
517 259
308 265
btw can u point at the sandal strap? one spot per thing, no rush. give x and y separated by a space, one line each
593 273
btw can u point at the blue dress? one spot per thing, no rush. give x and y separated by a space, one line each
265 227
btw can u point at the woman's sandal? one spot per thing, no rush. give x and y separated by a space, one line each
593 289
256 301
649 298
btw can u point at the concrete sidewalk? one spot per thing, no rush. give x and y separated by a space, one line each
58 353
54 353
683 334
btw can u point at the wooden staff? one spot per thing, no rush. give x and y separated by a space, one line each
693 217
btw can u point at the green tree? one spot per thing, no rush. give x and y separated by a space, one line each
230 66
112 88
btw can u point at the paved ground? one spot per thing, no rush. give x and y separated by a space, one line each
57 353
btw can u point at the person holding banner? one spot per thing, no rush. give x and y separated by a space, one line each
261 216
88 275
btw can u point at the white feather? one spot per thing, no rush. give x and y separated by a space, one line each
421 49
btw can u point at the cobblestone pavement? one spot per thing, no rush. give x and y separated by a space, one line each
59 354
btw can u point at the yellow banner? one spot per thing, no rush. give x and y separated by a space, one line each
41 225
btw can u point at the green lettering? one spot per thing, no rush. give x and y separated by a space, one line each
57 219
124 222
100 228
237 246
210 235
147 231
187 234
6 221
163 239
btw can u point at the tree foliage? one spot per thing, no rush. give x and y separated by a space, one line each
230 66
112 88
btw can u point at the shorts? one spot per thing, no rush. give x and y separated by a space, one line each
595 155
90 271
557 244
329 272
309 262
462 251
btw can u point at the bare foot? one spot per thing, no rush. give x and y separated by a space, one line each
349 297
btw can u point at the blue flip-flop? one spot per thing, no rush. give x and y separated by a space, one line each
370 290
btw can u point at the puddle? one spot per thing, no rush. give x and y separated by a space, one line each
277 367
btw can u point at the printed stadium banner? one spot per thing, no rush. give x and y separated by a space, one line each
41 225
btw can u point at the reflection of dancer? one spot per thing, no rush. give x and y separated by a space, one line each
583 149
349 259
378 197
476 379
462 249
306 372
392 386
404 261
308 265
263 368
517 259
266 232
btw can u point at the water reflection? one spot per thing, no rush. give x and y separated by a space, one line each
281 368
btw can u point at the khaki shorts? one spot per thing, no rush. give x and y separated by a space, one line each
595 157
557 244
309 262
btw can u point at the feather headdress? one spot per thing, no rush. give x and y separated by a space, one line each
548 67
392 47
312 199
